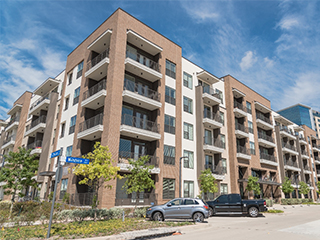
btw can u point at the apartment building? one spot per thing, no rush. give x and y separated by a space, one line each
316 119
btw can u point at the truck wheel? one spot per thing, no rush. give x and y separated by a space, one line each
157 216
211 212
198 217
253 212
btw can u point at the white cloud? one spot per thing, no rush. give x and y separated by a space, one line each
248 60
268 62
288 22
201 11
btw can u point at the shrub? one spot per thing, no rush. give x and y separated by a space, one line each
140 212
114 213
66 198
294 201
269 202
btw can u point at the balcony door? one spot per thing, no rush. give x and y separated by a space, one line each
139 150
208 137
208 160
207 111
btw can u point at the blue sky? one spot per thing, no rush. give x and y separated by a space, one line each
272 46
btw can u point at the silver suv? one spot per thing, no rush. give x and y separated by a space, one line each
187 208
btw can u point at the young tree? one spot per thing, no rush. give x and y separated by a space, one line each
139 179
253 185
286 186
207 183
318 187
18 172
100 170
304 188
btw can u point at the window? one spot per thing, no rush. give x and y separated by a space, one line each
220 95
168 191
188 189
80 67
252 148
187 105
187 80
223 188
69 151
58 110
188 131
188 162
169 124
170 69
70 79
250 126
63 189
222 117
76 96
54 136
224 165
66 103
170 95
169 153
63 125
249 107
223 199
72 124
223 140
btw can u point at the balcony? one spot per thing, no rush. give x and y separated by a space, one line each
239 110
268 159
41 104
94 97
289 164
306 169
263 122
265 140
16 108
37 125
124 165
141 96
210 97
243 153
13 123
36 147
207 77
288 148
47 86
304 154
315 147
302 140
318 172
135 127
284 131
316 160
97 67
217 171
92 128
241 131
213 145
294 181
212 120
269 180
9 142
134 199
142 66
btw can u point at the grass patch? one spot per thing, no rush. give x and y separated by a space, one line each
84 229
273 211
311 203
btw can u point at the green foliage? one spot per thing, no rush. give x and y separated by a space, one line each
253 185
295 201
286 186
140 178
303 188
78 215
207 182
140 212
269 202
273 211
66 198
18 172
50 197
318 186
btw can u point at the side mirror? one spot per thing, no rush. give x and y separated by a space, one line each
169 204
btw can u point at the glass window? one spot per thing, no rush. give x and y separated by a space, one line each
188 162
69 151
208 162
70 79
170 69
176 202
170 95
80 67
250 126
187 80
169 124
222 117
66 106
169 153
187 105
188 131
223 140
220 94
76 96
188 191
63 125
72 124
223 188
187 201
125 148
252 148
224 165
223 199
63 189
249 107
168 191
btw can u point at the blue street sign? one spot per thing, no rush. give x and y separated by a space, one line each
55 154
77 160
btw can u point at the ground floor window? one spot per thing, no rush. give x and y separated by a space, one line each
168 188
188 189
224 188
63 189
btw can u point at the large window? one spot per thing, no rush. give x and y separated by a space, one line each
170 69
250 127
187 104
188 131
220 94
168 191
252 148
66 104
72 124
63 189
188 162
188 189
170 95
70 79
80 67
223 140
169 124
187 80
223 188
63 125
169 153
224 165
76 96
249 110
222 117
69 151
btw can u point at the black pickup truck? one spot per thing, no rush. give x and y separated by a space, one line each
233 204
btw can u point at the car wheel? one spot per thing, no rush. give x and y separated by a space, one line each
253 212
198 217
157 216
211 212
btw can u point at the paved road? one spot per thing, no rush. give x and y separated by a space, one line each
295 224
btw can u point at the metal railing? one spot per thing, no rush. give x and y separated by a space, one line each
268 179
242 128
289 146
214 142
213 116
263 118
239 106
141 90
12 120
265 137
135 199
169 129
41 119
302 138
268 157
290 162
34 145
124 156
219 170
318 171
9 139
316 158
95 89
315 145
243 150
36 103
306 167
211 91
141 123
143 60
98 59
304 152
82 199
287 130
294 181
91 122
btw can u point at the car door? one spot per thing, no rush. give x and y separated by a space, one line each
221 204
172 208
187 208
235 203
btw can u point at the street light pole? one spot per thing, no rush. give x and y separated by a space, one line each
180 175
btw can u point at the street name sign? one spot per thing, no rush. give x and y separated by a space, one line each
77 160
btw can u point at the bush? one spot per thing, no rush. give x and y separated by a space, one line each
140 212
294 201
114 213
269 202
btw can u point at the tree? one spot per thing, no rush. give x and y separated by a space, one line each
140 178
18 172
100 170
286 186
207 183
253 185
318 187
304 188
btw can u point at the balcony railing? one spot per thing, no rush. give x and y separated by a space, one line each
268 157
306 167
211 91
316 158
243 150
315 145
268 179
9 139
289 146
47 96
213 116
290 162
265 137
143 60
96 88
318 171
141 123
12 120
216 169
91 122
34 145
82 199
124 156
240 106
294 181
287 130
135 199
263 118
214 142
98 59
242 128
141 90
304 152
41 119
302 138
